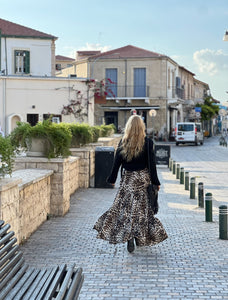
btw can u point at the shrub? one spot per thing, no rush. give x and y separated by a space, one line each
107 130
6 156
57 137
96 130
81 134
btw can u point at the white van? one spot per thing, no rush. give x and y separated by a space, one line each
189 132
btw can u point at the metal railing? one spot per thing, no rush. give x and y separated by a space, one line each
128 91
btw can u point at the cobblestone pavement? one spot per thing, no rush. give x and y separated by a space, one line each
191 264
208 164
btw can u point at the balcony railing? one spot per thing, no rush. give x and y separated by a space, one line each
128 91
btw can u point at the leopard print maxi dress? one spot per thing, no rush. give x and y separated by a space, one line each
130 216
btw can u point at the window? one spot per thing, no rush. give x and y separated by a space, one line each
22 61
58 67
139 82
185 127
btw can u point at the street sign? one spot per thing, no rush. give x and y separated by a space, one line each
198 109
162 154
198 114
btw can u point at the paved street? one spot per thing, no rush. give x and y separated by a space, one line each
208 163
191 264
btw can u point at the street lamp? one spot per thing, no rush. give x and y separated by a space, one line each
225 38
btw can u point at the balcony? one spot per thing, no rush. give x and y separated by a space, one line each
122 92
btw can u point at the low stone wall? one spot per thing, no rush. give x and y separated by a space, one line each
25 200
64 181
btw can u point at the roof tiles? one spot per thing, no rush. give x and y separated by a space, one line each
15 30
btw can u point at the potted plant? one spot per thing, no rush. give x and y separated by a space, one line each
55 138
7 155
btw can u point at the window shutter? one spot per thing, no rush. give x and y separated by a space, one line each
27 62
15 68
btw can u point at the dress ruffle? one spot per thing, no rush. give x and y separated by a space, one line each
130 216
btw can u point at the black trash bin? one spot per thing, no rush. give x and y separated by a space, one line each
104 157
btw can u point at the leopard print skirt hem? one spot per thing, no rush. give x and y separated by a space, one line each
130 216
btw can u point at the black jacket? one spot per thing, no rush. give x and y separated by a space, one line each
137 163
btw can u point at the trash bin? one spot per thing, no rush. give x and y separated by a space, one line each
104 157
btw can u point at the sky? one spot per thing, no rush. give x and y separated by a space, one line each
189 32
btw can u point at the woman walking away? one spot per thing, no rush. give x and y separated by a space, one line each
131 218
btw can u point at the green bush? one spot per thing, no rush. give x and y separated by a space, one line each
57 137
6 156
107 130
81 134
96 130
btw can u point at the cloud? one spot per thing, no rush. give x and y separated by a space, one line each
211 61
95 47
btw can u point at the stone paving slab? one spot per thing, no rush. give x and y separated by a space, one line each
191 264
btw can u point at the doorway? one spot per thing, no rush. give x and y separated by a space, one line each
111 117
32 119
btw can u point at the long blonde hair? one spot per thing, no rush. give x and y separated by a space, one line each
134 137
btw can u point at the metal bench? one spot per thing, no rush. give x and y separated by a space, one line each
19 281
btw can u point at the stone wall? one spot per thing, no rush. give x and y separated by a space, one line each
64 180
25 200
40 187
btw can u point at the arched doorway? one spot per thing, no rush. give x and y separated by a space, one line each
12 122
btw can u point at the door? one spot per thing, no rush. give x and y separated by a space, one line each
139 82
112 86
111 117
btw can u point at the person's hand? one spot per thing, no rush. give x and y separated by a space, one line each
158 186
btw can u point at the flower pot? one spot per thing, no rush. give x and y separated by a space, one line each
38 147
100 99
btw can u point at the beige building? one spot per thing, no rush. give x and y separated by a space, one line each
63 62
140 81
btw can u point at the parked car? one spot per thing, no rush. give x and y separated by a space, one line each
189 132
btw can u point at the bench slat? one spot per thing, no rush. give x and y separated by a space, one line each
27 284
10 254
20 284
10 269
34 285
8 245
65 283
75 286
4 229
49 289
13 281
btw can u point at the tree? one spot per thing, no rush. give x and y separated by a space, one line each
209 109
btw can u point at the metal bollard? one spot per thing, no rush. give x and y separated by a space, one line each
208 207
174 167
171 164
178 171
186 181
192 188
181 175
223 224
200 195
